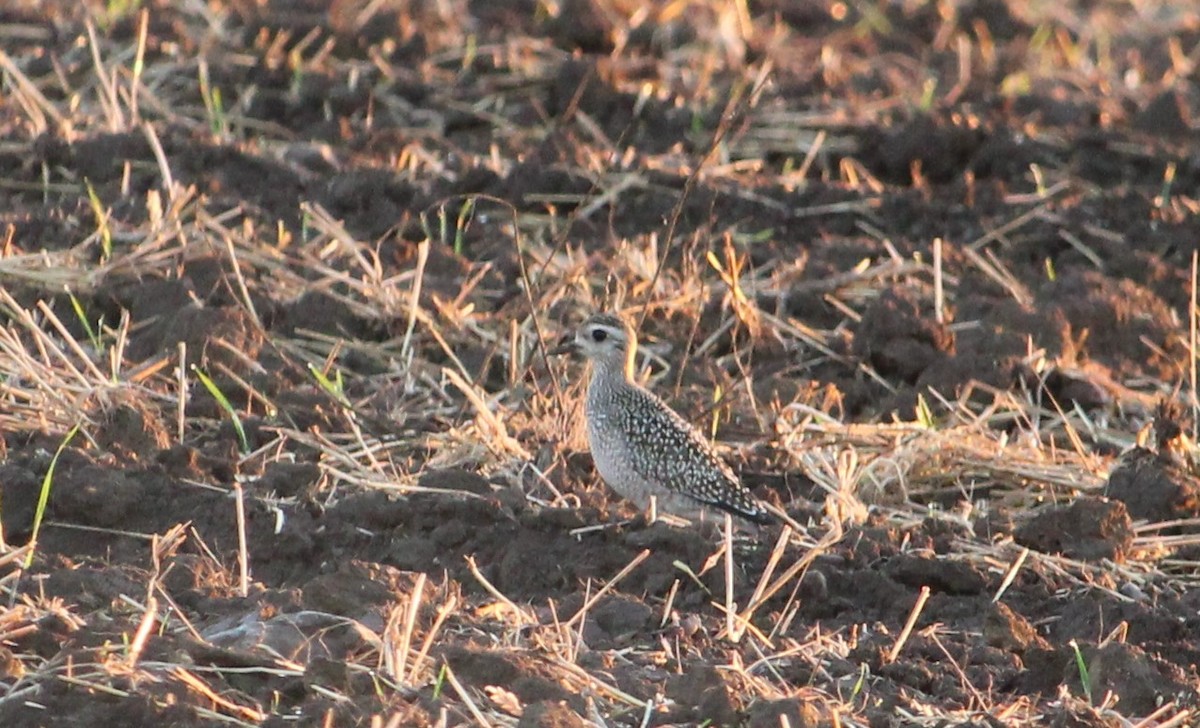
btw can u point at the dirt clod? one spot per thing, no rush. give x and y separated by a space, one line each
547 714
798 713
1153 487
1004 628
1088 529
701 693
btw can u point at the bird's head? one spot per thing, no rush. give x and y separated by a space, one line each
604 338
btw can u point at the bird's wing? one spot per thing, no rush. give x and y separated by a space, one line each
686 463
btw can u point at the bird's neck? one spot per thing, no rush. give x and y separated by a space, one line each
613 369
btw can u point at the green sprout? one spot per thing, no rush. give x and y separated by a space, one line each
860 683
306 226
1041 37
691 574
93 334
1164 195
470 52
928 89
874 22
213 105
466 213
44 496
226 405
440 682
1081 665
296 61
335 387
115 10
924 413
101 221
217 113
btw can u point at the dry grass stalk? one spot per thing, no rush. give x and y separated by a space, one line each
1158 718
583 677
243 553
1010 574
764 578
449 607
161 549
730 606
519 614
410 620
580 615
796 569
465 697
1194 341
497 433
35 104
196 684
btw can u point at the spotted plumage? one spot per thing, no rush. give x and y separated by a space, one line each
641 447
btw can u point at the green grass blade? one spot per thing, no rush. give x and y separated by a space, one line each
83 320
465 214
44 497
226 405
333 387
101 221
1081 665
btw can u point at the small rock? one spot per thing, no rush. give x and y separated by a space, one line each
1133 591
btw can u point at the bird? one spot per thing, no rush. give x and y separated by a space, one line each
641 447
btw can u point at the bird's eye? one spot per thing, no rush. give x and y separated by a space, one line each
599 335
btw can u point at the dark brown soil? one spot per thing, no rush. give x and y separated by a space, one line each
1061 173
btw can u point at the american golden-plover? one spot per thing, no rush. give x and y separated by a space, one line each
641 447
